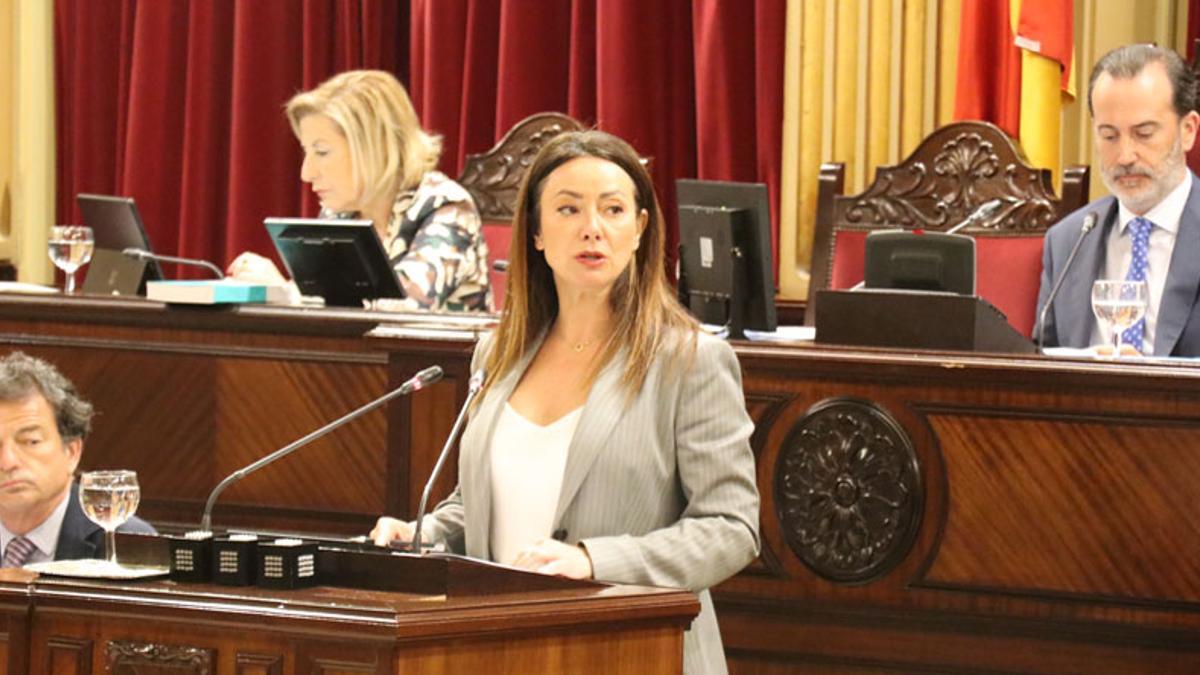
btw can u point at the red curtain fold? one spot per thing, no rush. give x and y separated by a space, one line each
1193 28
180 105
742 89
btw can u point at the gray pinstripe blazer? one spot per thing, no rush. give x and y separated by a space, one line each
660 489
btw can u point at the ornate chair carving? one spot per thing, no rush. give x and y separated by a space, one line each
494 177
953 171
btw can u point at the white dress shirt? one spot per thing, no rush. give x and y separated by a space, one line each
527 462
1166 216
44 536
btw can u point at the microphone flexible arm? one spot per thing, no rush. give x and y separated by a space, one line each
473 388
982 212
142 254
419 381
1089 222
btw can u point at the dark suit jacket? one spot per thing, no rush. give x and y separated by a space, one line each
81 538
1070 321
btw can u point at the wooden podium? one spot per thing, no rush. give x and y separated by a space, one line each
462 617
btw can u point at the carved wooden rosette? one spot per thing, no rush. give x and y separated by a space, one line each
493 178
848 490
955 170
126 657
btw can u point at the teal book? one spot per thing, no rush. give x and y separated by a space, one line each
206 292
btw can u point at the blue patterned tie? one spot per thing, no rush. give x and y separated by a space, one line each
1138 263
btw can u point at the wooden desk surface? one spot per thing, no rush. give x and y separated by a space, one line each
920 511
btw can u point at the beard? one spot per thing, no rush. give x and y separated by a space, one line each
1163 178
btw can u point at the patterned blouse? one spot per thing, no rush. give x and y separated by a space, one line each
435 241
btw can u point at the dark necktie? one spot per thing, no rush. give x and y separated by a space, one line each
18 552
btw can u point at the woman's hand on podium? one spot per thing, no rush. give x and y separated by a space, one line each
388 530
550 556
255 269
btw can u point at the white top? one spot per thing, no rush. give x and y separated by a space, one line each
1165 215
44 536
527 462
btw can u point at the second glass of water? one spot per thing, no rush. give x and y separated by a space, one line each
109 498
71 248
1119 305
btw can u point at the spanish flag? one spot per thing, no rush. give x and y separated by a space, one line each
1015 69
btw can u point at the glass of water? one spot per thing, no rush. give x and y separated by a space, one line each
1119 305
71 248
109 498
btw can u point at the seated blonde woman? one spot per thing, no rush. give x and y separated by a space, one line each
366 156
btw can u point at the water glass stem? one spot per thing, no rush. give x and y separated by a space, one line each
70 283
110 546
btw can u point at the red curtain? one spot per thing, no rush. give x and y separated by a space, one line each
695 86
179 103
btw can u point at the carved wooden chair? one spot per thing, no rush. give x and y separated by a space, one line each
953 171
494 177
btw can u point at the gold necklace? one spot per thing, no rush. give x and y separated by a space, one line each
578 347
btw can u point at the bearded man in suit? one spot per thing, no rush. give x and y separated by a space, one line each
1142 99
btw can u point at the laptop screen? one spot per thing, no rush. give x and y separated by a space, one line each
116 226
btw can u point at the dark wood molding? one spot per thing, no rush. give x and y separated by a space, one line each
134 658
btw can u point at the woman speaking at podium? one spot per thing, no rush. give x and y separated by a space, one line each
366 156
610 439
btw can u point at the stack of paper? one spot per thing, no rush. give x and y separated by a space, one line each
210 292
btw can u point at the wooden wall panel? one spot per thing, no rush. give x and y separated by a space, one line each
1112 515
1011 513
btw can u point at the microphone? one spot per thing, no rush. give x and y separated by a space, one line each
982 212
142 254
1089 222
499 265
472 389
417 382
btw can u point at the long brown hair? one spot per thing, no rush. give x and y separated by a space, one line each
643 304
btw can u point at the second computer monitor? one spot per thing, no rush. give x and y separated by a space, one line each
725 263
342 261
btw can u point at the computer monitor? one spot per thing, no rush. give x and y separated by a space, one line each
922 261
725 264
342 261
116 226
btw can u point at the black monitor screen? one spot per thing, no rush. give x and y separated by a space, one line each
725 264
925 261
342 261
116 226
